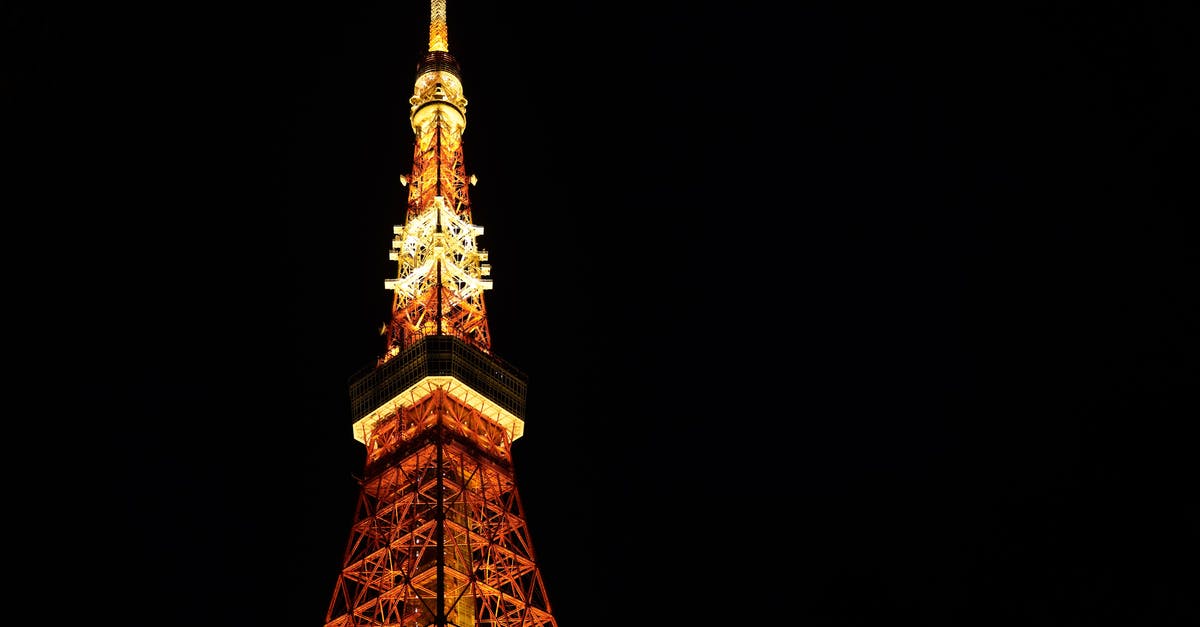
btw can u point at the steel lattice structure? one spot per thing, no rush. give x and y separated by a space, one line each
441 280
439 534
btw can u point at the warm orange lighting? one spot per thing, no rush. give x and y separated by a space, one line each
439 534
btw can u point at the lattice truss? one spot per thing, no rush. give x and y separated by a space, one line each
439 457
441 275
438 36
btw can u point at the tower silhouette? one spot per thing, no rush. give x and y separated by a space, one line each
439 535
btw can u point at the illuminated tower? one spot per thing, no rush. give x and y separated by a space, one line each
439 535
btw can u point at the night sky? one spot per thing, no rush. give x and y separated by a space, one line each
854 314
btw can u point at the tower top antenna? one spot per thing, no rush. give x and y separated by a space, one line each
439 39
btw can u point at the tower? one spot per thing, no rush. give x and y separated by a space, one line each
439 534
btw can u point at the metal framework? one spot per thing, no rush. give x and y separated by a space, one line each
442 275
439 534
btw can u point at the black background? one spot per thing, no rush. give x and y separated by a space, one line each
833 314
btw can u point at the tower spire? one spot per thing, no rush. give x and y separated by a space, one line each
438 289
439 39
